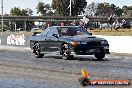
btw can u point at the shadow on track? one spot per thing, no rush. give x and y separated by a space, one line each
80 58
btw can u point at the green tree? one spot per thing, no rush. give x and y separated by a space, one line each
16 11
91 9
44 9
105 9
26 12
5 24
118 11
127 11
29 12
62 7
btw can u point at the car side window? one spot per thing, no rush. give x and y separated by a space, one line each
71 31
52 31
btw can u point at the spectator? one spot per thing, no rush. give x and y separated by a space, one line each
123 23
74 23
85 21
81 23
62 24
116 24
110 19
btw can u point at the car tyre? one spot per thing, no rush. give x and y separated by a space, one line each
99 56
36 51
65 52
66 56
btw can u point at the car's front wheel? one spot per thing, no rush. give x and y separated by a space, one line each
99 56
65 52
36 51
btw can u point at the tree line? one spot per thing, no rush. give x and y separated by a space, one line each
78 7
106 9
62 8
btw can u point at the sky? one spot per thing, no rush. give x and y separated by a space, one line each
8 4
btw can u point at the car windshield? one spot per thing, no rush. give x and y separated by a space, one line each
71 31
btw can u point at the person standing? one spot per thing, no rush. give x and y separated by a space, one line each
74 23
110 19
85 21
123 23
62 24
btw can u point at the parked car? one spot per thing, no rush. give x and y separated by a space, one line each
69 41
128 24
36 31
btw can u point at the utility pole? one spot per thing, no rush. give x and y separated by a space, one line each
2 16
70 7
25 25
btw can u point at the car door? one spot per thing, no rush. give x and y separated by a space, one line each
51 42
41 39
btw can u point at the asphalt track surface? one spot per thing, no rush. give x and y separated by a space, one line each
20 69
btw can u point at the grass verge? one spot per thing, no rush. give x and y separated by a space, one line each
109 32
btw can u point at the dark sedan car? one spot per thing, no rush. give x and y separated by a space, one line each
69 41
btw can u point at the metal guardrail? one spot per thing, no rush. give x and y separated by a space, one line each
57 18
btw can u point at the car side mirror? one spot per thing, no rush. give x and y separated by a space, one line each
55 35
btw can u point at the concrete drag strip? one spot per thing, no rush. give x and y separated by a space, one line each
16 48
21 48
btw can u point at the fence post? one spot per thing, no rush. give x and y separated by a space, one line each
25 25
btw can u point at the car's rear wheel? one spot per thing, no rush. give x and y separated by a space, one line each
65 52
36 51
99 56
